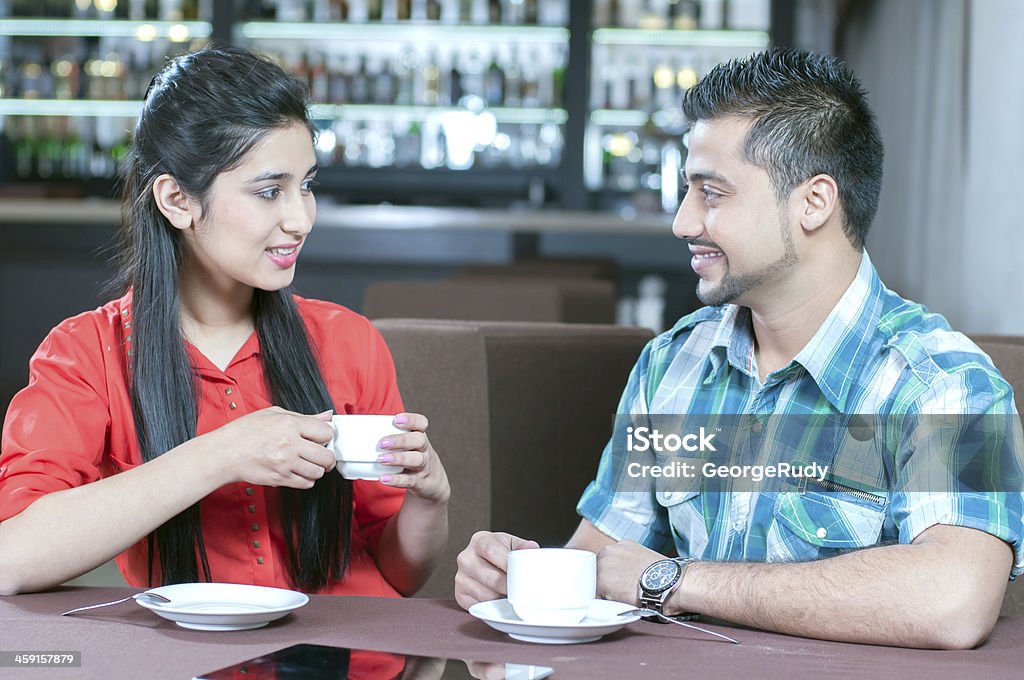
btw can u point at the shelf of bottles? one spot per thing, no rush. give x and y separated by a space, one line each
645 55
425 85
420 90
73 74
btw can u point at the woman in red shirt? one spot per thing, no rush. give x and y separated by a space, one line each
172 427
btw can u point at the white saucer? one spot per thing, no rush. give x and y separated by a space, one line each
223 606
602 619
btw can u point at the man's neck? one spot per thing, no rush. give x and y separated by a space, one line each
784 323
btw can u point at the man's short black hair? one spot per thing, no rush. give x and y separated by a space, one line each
811 116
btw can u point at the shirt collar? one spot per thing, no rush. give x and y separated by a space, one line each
836 350
733 342
833 352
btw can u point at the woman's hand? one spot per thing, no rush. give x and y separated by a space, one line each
423 476
275 447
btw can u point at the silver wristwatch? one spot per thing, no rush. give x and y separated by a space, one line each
659 580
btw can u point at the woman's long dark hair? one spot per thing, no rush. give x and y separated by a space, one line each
203 113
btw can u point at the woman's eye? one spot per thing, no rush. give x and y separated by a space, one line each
309 185
269 194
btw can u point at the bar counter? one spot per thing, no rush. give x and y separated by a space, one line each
98 211
128 641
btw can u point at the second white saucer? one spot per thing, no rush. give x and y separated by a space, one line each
602 619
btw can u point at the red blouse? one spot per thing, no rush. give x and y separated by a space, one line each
73 425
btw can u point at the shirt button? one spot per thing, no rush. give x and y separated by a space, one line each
255 527
259 560
228 391
822 532
232 406
256 544
248 491
668 495
737 525
252 508
757 427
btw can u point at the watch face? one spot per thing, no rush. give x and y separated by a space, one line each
660 575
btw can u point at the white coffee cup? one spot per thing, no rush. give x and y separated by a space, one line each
553 586
355 445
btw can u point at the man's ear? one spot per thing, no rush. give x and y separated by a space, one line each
172 202
818 201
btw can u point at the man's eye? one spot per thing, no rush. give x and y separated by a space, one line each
710 195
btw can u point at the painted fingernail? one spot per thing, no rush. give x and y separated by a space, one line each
387 443
401 420
385 458
385 479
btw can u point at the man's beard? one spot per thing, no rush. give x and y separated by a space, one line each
731 287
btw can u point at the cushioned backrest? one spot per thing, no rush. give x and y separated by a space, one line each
566 301
519 413
442 373
1007 353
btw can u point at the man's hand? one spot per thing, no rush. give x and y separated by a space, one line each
619 566
482 567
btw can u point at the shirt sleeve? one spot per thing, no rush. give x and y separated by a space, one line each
56 429
376 503
621 506
963 469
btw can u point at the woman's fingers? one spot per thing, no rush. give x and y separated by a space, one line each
314 428
413 422
410 460
413 441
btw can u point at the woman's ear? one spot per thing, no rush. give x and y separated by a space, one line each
172 202
820 198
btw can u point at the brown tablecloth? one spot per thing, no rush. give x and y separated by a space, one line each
127 641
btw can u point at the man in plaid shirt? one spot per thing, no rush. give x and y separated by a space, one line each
783 174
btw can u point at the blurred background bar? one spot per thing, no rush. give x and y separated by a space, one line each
537 103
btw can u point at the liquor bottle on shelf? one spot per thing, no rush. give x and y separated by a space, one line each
406 68
358 11
684 15
494 83
360 91
450 12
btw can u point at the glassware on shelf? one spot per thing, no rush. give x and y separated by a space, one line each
48 148
451 12
683 15
646 54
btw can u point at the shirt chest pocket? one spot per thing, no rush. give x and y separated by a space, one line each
814 525
686 519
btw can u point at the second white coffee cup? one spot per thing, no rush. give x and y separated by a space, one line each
355 445
553 586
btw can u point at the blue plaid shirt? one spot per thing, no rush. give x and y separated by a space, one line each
875 353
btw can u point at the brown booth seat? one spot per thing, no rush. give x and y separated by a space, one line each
548 268
519 413
1007 353
499 299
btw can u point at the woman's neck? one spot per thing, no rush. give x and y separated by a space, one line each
217 322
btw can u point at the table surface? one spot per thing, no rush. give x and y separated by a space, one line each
127 641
